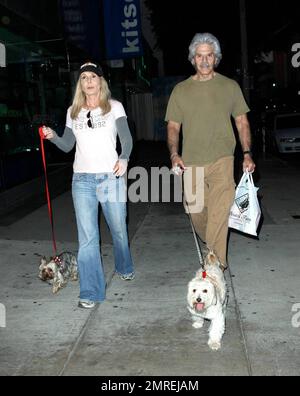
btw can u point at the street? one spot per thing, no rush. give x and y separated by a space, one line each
144 328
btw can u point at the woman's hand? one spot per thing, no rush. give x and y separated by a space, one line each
121 167
48 132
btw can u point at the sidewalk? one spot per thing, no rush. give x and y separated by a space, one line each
144 328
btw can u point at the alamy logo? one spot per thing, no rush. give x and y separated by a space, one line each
296 57
2 55
296 317
2 316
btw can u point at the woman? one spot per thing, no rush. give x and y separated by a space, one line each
93 122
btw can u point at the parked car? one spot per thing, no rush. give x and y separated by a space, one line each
286 133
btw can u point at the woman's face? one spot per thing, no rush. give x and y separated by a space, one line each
90 83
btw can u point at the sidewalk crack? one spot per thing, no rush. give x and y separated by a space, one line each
240 322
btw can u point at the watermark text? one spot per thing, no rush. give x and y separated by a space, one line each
296 57
2 316
296 316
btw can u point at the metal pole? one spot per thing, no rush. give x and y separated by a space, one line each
244 49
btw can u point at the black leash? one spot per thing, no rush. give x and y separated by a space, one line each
200 256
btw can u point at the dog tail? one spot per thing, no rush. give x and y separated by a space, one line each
212 259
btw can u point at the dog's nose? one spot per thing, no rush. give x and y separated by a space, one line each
198 300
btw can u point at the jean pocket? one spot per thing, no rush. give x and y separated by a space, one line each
79 177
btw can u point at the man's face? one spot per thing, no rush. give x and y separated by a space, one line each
205 60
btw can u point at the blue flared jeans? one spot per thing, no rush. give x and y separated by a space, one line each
88 190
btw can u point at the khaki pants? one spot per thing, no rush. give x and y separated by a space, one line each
214 184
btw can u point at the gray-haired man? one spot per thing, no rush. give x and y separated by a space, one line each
203 106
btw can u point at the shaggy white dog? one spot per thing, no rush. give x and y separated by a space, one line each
207 299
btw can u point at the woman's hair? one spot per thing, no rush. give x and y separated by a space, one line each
79 99
205 38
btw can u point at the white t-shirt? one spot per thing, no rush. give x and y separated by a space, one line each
96 147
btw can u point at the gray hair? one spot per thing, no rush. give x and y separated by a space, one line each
205 38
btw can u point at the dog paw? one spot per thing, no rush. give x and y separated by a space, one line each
214 345
55 289
198 325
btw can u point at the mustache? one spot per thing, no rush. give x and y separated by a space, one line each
205 65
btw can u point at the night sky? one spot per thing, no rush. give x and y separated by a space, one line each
269 24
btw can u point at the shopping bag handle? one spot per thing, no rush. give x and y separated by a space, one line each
250 178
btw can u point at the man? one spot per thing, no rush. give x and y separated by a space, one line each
203 106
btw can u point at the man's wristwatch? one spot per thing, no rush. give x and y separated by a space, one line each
247 152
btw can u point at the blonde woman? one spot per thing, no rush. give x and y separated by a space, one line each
93 122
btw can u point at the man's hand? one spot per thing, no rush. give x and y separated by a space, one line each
248 164
120 168
178 166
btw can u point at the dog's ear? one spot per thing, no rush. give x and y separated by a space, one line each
43 262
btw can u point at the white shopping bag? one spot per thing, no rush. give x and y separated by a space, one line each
245 212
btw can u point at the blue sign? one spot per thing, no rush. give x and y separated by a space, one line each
122 23
82 21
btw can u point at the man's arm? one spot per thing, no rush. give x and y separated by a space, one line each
173 137
173 129
243 128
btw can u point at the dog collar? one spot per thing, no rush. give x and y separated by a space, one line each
204 274
57 261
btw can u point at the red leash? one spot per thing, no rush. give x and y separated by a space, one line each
42 137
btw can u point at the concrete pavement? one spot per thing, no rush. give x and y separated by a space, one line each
144 328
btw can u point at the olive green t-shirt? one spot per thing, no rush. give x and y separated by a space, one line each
204 109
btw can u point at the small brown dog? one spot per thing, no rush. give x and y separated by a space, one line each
58 270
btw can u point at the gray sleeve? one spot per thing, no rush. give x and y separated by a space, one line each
66 141
125 137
